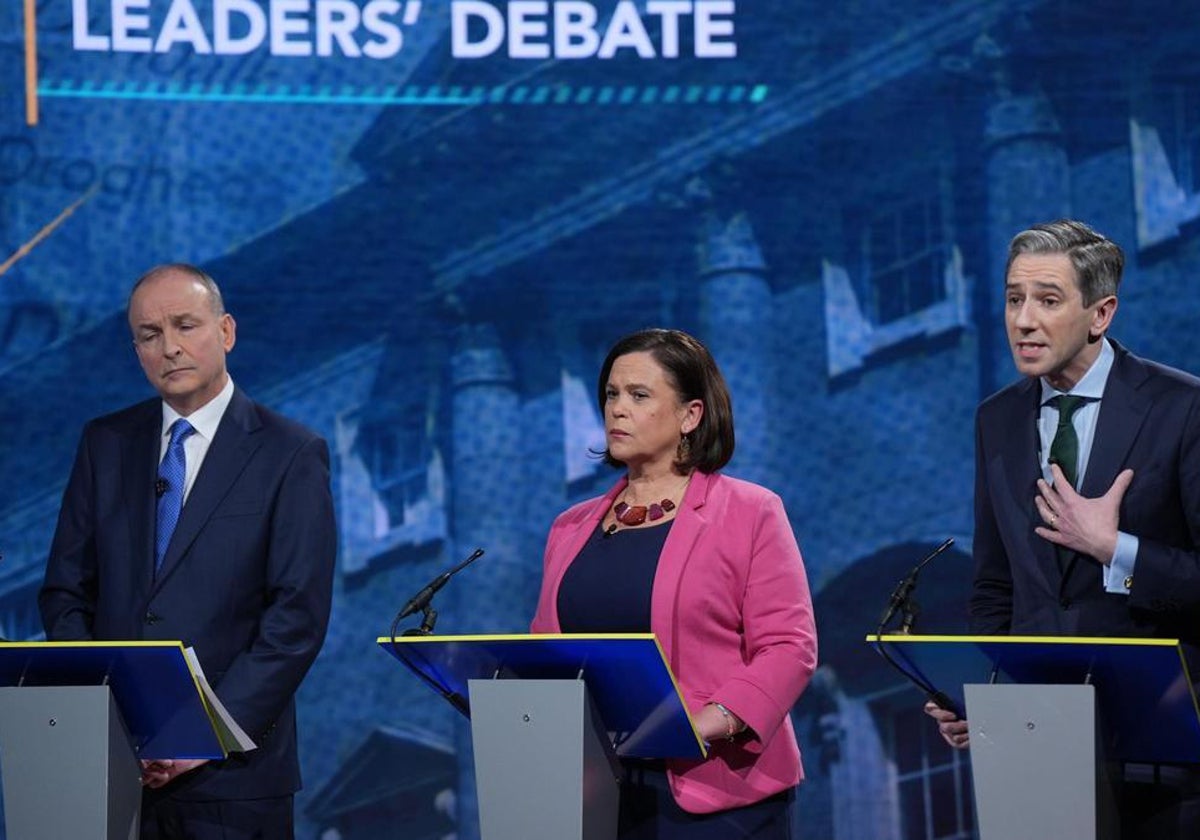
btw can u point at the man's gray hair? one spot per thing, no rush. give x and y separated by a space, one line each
198 274
1098 261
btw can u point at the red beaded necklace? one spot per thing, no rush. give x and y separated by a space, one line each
637 514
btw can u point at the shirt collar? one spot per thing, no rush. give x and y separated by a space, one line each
204 419
1091 385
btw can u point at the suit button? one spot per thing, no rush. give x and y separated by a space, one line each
1065 603
151 618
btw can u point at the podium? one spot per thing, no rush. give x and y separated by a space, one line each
1049 718
76 718
550 715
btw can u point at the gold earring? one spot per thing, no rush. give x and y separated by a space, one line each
684 449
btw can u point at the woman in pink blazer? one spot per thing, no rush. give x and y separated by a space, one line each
710 565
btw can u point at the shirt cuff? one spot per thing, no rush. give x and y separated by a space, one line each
1118 575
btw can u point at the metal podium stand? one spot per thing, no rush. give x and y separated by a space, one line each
549 716
1047 717
76 717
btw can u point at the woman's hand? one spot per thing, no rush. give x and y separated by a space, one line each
712 724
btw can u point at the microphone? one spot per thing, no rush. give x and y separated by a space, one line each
421 600
902 599
160 487
902 594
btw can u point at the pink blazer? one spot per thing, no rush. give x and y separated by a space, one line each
732 611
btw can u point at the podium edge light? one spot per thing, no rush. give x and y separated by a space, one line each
515 637
95 644
900 638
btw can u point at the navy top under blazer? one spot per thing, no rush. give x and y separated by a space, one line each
609 586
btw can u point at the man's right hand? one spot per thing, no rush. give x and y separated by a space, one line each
159 772
954 731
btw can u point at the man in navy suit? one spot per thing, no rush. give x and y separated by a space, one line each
1096 533
242 571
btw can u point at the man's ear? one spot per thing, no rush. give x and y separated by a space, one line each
228 329
1102 317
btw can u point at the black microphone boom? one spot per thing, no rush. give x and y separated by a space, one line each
420 603
902 600
421 600
902 594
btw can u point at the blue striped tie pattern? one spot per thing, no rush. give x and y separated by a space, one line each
171 474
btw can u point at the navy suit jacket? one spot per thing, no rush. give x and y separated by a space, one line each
1150 422
247 579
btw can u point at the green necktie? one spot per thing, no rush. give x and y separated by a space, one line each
1064 451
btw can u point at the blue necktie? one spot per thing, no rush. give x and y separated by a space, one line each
171 474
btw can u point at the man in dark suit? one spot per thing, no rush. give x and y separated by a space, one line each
202 516
1087 482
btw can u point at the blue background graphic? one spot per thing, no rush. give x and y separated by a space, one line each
428 258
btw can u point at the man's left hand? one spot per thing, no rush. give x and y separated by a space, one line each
1085 525
157 773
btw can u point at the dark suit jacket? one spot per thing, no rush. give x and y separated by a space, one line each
247 579
1149 421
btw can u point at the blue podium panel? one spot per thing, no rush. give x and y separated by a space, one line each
1143 688
154 689
626 674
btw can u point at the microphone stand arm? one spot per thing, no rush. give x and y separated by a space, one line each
429 618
